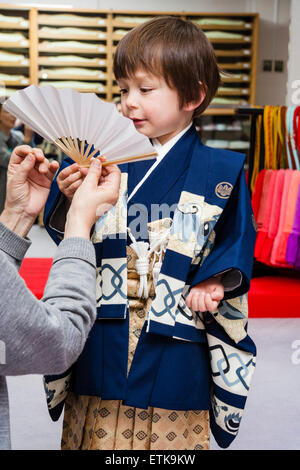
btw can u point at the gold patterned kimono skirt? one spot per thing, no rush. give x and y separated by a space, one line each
91 423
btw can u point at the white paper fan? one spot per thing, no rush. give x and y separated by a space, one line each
78 123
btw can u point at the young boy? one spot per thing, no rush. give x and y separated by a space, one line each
155 347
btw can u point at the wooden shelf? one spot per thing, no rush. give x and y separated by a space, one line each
240 66
46 61
72 50
24 63
243 79
80 22
224 27
15 45
77 37
245 40
237 92
23 82
14 26
239 52
233 53
98 90
70 77
219 111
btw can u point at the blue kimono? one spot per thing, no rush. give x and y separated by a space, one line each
182 361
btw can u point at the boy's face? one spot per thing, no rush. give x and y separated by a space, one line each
153 106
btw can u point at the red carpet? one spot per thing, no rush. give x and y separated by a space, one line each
273 297
35 273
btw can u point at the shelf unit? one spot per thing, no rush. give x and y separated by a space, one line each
64 46
16 67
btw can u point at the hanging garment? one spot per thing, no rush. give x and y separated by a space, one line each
257 193
287 214
292 252
274 210
264 215
212 231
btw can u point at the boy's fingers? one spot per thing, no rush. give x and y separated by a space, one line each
210 304
73 187
70 179
218 293
66 172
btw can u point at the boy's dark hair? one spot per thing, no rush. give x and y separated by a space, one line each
177 50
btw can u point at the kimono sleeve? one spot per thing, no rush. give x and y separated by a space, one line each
54 202
232 253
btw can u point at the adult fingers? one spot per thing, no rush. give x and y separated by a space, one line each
113 175
25 167
94 173
19 153
54 165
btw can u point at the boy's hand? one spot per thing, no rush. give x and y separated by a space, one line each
206 295
70 178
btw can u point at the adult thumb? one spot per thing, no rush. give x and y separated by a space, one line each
94 172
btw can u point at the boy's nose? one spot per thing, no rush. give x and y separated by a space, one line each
131 101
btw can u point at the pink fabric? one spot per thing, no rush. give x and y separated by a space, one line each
287 212
275 203
264 212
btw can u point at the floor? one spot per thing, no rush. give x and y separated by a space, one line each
271 419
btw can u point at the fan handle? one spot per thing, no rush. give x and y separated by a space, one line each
71 148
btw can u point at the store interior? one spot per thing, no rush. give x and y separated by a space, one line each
255 112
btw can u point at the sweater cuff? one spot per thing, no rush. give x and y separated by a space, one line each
76 247
12 244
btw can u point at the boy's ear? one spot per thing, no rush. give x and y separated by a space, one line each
194 104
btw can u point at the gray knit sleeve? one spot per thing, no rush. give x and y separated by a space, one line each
47 336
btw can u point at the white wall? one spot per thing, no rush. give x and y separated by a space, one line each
273 31
293 96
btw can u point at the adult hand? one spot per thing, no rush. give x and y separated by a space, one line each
29 179
98 193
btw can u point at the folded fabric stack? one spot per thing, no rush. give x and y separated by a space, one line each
69 17
60 32
17 38
12 57
72 72
80 86
276 206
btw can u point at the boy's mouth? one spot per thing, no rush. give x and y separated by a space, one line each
137 122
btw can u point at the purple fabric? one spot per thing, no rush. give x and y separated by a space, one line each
293 245
297 263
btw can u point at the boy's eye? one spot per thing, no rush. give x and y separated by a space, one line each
145 90
122 91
